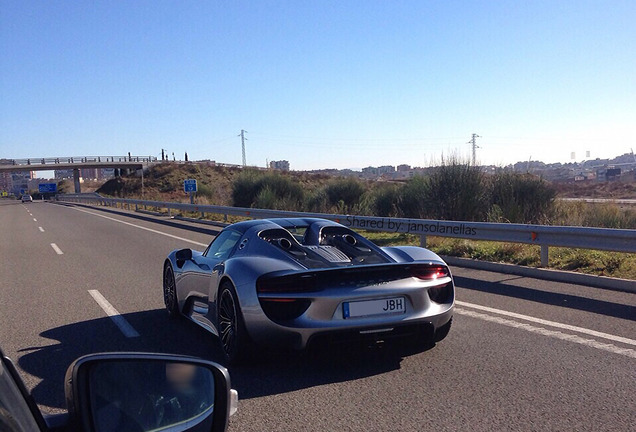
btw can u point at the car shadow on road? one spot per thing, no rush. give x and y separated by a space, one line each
570 301
277 372
270 373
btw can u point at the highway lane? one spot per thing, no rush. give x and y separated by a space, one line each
494 372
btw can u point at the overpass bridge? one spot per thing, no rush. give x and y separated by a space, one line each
76 163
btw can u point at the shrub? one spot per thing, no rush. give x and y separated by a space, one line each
456 191
521 198
381 201
204 190
344 193
411 198
317 201
245 187
251 188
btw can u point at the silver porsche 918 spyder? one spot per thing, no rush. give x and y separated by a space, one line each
293 282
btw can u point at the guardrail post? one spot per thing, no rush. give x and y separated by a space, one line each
544 255
422 240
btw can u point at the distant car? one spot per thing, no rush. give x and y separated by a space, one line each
293 282
27 198
125 392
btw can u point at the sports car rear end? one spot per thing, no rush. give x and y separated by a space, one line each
362 302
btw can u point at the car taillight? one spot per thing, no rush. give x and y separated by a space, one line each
430 272
281 310
286 284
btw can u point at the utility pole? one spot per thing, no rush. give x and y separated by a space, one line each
242 135
473 142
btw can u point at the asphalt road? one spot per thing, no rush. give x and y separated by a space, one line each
523 354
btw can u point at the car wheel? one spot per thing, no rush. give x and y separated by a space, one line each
232 333
442 332
170 291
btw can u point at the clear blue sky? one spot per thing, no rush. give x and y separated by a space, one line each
319 83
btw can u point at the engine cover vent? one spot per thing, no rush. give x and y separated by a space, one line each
330 253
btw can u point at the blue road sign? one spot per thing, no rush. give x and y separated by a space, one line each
190 185
47 187
22 192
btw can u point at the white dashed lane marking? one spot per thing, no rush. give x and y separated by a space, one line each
57 249
114 315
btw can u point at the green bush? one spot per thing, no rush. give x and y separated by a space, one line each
411 198
344 193
456 190
316 201
252 188
381 201
520 198
205 190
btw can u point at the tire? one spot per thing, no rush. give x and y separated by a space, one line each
170 292
442 332
232 334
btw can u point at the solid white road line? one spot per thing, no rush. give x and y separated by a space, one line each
41 229
142 227
57 249
550 333
119 320
549 323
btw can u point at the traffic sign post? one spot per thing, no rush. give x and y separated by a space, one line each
190 186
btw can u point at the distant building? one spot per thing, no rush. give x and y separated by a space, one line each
20 181
107 173
90 173
613 174
63 174
281 165
6 182
386 169
403 168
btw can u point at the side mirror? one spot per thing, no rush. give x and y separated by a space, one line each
147 392
184 255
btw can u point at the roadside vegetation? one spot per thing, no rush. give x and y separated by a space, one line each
455 190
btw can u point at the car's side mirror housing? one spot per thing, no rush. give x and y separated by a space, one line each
183 255
143 392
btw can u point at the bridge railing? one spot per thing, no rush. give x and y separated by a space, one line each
77 159
545 236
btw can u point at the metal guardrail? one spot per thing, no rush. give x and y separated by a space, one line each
618 240
76 159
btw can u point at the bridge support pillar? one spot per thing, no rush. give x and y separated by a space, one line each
422 240
76 180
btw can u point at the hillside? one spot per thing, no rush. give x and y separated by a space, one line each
165 182
594 189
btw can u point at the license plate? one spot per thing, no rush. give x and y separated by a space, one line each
395 305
